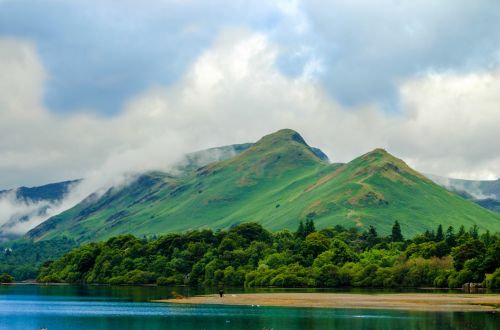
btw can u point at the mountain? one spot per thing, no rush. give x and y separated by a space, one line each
23 208
277 182
489 203
483 192
50 192
24 205
478 189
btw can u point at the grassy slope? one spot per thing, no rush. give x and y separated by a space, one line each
277 182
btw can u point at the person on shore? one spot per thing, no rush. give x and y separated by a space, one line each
221 293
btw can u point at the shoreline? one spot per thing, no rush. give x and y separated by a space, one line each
436 302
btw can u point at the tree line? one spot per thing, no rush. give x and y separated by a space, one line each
22 259
248 255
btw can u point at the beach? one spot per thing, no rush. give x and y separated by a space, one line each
398 301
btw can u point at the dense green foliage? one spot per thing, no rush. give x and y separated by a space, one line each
249 255
6 278
275 182
22 259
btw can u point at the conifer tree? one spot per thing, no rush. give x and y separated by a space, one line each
301 231
309 228
461 232
474 231
372 237
450 237
439 233
396 235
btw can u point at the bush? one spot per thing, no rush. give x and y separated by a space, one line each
328 276
6 278
162 280
492 281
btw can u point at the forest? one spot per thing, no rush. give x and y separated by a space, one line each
22 259
249 255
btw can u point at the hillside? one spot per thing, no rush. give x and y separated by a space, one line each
277 182
482 192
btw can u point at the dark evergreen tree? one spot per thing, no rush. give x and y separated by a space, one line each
371 237
474 232
450 237
461 232
309 228
439 233
486 238
429 236
301 231
396 235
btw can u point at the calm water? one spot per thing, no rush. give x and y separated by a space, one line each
91 307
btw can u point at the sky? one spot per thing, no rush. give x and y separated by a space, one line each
99 90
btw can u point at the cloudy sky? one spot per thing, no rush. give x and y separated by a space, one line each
96 89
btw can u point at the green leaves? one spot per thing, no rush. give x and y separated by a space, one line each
249 255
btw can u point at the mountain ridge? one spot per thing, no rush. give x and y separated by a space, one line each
277 182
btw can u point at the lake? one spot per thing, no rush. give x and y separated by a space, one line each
104 307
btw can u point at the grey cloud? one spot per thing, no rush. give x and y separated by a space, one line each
233 93
369 47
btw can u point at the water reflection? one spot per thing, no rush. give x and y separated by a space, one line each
104 307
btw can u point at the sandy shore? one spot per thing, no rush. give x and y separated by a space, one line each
403 301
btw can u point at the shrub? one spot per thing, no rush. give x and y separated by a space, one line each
6 278
492 281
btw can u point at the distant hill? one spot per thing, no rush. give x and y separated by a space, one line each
277 182
48 192
489 203
27 203
483 192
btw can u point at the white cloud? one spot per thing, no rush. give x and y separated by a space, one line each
17 216
233 93
451 124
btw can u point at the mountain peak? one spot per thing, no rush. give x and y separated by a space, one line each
379 159
276 153
287 139
380 156
377 153
283 135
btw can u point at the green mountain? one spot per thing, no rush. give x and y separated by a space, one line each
277 182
